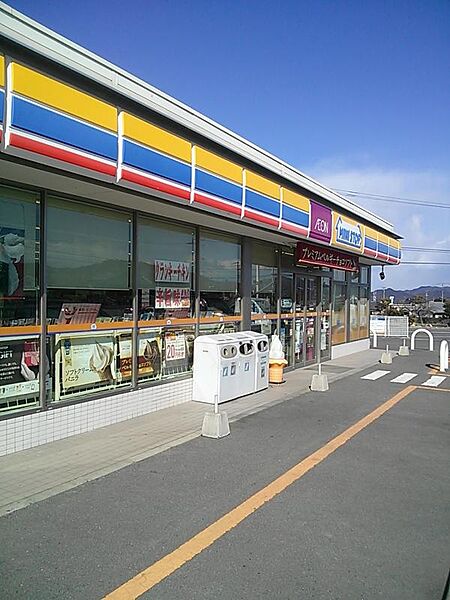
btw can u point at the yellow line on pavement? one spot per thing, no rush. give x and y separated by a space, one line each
155 573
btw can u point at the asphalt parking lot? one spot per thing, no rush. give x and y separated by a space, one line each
370 520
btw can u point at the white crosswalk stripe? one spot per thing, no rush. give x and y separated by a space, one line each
375 375
434 381
404 378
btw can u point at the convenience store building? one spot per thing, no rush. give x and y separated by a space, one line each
130 224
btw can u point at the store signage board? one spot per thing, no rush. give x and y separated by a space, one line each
172 271
325 257
349 234
321 223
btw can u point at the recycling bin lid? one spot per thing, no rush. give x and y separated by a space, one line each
215 339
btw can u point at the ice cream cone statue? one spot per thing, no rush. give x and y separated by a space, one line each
277 362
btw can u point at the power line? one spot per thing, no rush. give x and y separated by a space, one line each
418 249
412 262
394 199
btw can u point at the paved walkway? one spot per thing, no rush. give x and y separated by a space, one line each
32 475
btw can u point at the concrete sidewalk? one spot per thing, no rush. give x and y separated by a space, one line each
32 475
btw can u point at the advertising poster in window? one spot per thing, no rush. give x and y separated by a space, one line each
78 312
175 346
87 361
12 250
178 348
172 271
174 298
19 368
149 357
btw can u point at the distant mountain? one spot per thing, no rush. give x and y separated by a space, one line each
432 292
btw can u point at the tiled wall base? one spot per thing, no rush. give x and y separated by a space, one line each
25 432
350 348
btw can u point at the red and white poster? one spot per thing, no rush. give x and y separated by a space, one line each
172 271
175 346
169 297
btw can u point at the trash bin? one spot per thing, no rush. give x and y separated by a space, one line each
262 359
224 366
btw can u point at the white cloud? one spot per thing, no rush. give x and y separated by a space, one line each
420 226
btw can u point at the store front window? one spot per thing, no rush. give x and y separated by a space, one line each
264 289
220 266
325 329
165 270
165 282
19 298
19 257
89 296
338 317
287 314
364 313
359 305
88 264
354 312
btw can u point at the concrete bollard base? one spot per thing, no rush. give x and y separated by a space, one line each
319 383
215 425
403 351
386 358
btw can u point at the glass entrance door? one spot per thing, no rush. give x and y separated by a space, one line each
287 316
325 325
299 329
311 320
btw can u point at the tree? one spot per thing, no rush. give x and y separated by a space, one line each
382 305
447 308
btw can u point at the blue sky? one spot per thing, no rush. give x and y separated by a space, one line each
356 94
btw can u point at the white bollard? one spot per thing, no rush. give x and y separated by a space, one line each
443 356
430 337
403 350
319 382
215 424
375 339
386 358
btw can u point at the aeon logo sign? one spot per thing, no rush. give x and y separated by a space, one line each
348 234
321 223
321 226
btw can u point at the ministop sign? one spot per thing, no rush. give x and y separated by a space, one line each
325 257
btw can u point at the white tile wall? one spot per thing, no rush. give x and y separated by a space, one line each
20 433
349 348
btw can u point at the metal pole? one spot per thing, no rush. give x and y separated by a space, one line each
43 400
135 330
197 281
279 291
246 284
